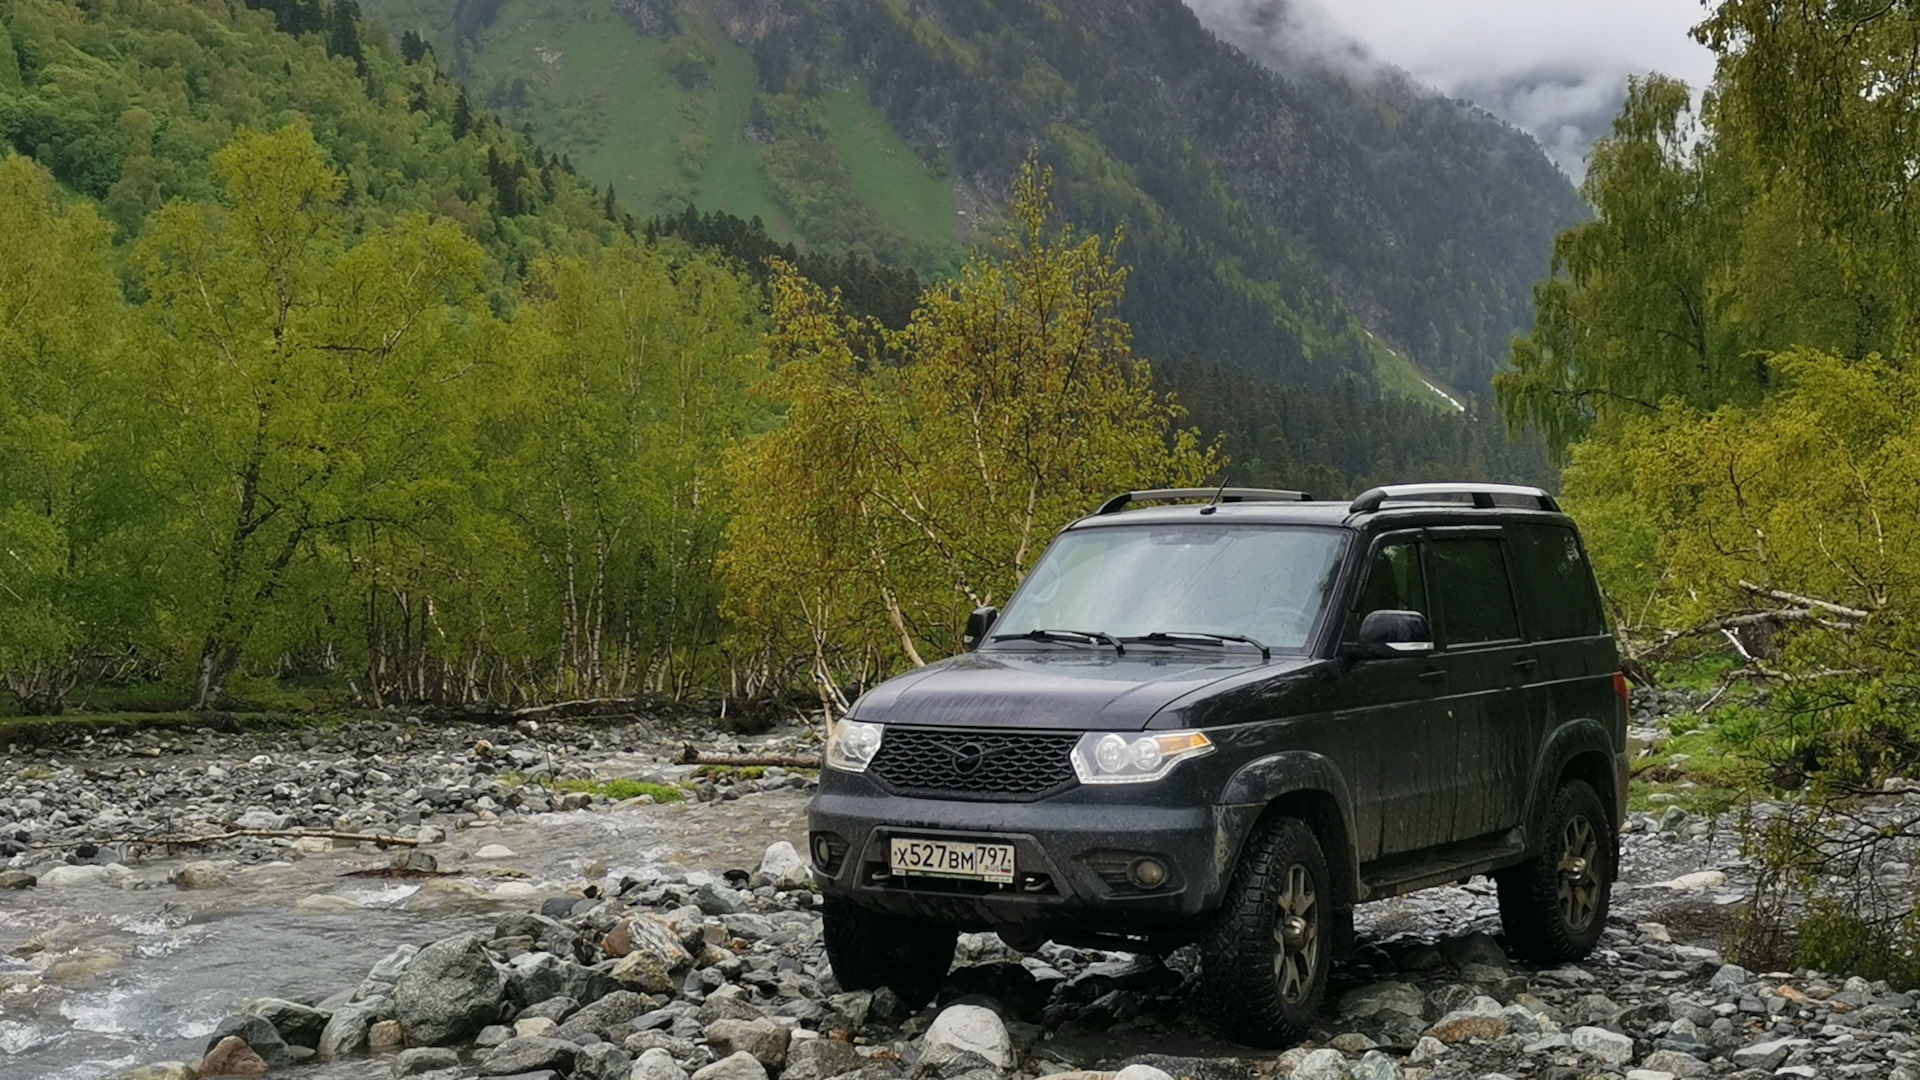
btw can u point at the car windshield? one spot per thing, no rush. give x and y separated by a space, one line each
1263 582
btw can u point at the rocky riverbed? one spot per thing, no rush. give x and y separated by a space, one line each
578 936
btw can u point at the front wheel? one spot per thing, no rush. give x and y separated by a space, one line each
1554 905
1264 962
868 950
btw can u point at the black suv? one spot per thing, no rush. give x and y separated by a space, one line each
1225 717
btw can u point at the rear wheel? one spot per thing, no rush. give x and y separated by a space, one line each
868 950
1554 905
1264 962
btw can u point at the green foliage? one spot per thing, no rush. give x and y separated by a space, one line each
624 789
895 498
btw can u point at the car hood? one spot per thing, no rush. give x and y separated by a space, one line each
1077 689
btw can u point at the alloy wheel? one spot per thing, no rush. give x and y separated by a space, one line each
1297 933
1579 879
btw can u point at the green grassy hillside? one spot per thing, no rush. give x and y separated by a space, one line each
677 118
1312 232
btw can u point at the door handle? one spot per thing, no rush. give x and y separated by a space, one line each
1525 664
1433 675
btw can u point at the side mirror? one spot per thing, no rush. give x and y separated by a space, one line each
1387 634
978 625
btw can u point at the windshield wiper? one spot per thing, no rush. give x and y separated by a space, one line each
1200 637
1091 637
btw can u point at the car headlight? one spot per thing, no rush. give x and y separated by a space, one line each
852 744
1112 758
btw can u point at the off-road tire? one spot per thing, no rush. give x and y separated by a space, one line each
1264 960
1554 905
868 950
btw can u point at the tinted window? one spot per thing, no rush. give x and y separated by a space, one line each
1555 583
1470 588
1394 583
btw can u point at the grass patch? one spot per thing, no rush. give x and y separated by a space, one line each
622 789
885 173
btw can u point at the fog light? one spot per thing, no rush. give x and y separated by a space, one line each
822 853
1147 873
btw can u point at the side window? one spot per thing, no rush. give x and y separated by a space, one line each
1394 583
1471 590
1556 583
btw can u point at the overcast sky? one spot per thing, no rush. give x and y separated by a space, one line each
1556 68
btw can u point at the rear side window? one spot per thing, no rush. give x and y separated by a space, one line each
1469 584
1556 583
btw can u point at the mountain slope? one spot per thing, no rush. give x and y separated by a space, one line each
1308 231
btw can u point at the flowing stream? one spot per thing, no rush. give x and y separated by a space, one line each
95 978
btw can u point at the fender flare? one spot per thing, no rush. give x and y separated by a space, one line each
1568 741
1260 782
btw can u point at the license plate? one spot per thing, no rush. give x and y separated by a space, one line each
951 859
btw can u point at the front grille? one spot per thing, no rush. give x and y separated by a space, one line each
950 764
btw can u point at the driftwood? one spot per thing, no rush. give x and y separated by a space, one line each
690 756
376 839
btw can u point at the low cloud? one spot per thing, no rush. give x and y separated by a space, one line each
1557 69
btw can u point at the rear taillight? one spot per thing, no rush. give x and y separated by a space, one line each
1624 691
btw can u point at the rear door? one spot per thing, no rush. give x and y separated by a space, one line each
1485 656
1573 676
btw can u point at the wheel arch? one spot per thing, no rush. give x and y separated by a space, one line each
1579 750
1301 785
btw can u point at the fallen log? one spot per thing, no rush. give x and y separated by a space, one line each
690 756
376 839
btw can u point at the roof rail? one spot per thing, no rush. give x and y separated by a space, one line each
1482 494
1220 494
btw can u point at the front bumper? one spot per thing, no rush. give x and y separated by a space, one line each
1072 854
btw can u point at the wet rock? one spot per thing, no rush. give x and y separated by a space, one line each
1142 1072
299 1025
819 1059
852 1007
1698 881
1766 1055
535 1027
654 958
740 1066
424 1059
968 1029
17 879
784 867
1473 949
1674 1063
448 992
1427 1049
1480 1019
494 851
160 1070
385 1035
658 1064
1188 1068
764 1039
346 1030
603 1017
556 1009
1374 1065
257 1032
112 875
1610 1047
1322 1065
602 1061
527 1055
199 875
1369 1001
231 1056
538 976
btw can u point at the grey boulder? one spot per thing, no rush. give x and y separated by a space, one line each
448 992
257 1033
529 1055
740 1066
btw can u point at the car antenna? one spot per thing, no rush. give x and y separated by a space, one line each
1214 503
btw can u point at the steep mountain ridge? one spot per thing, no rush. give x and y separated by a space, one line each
1273 221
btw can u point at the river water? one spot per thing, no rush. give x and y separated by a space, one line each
95 978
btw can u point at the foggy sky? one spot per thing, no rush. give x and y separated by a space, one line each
1554 68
